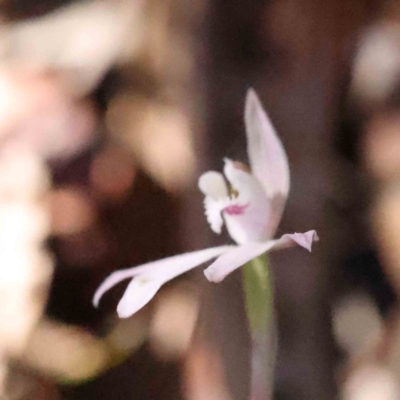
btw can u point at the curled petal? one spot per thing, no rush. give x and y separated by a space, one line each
235 258
305 240
160 271
115 278
138 293
267 156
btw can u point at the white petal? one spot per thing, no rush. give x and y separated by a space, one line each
115 278
138 293
235 258
305 240
214 187
171 267
267 156
255 223
160 270
213 209
212 184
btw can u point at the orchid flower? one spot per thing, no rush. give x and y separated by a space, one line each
249 202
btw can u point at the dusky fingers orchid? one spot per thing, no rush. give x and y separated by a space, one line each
251 208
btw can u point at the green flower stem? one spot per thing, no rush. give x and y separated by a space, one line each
260 311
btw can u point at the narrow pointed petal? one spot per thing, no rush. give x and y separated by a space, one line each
235 258
160 270
248 217
138 293
172 267
267 156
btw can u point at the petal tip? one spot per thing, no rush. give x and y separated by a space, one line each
109 282
309 238
138 293
128 306
268 159
123 312
253 103
95 301
98 295
216 229
251 96
211 276
304 240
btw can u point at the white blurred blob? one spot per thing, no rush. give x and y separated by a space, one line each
173 322
23 278
26 267
66 352
377 63
173 168
371 382
35 109
59 131
355 321
10 102
82 40
162 142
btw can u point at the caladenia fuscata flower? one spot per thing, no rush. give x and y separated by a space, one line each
249 201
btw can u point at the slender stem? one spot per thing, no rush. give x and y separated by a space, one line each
260 311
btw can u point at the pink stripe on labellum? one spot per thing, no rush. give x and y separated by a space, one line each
236 209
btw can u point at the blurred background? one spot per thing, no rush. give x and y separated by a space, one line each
110 110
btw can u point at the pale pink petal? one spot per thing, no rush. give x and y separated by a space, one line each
171 267
235 258
267 156
160 270
248 216
138 293
305 240
115 278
